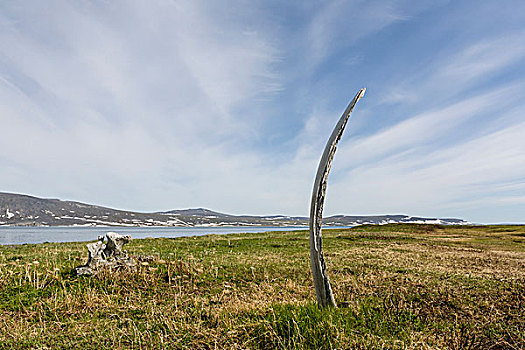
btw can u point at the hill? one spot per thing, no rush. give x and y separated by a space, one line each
24 210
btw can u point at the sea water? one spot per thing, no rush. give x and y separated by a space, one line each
28 234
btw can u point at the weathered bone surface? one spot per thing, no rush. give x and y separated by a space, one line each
107 255
323 290
114 246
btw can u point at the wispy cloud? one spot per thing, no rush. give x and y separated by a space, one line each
157 105
440 181
422 131
455 71
340 24
119 91
460 155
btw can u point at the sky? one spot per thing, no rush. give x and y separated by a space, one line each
159 105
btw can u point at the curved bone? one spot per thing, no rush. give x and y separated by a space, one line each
323 290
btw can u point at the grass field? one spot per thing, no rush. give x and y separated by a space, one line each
397 287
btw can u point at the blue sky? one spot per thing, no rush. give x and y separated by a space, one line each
157 105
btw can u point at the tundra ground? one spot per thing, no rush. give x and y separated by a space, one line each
397 287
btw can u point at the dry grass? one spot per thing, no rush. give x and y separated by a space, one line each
398 287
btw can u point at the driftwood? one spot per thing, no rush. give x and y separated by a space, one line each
107 255
323 290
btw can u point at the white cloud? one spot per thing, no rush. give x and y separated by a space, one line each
112 93
421 130
454 71
403 164
483 59
339 24
463 153
157 105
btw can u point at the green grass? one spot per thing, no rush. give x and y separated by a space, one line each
397 287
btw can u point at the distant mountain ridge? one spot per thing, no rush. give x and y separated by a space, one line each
197 212
25 210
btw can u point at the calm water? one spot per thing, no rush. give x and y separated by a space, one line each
21 235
